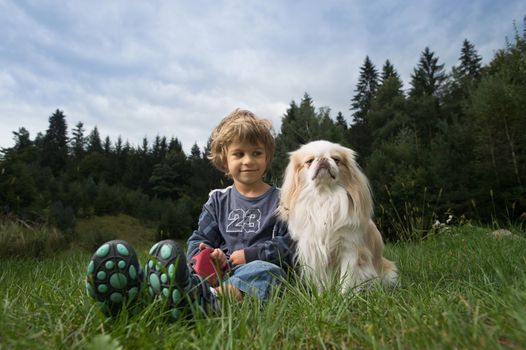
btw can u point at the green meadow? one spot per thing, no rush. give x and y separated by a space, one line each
459 288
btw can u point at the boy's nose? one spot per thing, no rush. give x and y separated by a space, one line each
247 159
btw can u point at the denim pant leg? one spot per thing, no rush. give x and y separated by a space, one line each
256 278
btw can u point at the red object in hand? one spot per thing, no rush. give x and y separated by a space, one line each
204 266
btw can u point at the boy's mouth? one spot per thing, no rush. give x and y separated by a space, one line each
248 170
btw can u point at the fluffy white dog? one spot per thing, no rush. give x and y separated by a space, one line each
327 203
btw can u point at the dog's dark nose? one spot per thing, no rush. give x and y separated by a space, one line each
323 163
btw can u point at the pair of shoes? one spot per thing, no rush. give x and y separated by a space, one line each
115 278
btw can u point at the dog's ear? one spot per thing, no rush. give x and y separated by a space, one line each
290 186
357 187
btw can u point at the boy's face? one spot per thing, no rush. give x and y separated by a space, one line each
246 162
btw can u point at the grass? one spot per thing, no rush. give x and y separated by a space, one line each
461 289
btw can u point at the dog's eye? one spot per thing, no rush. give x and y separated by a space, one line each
336 160
309 161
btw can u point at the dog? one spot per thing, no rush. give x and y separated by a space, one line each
327 203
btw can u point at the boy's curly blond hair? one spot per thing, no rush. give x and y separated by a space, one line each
240 126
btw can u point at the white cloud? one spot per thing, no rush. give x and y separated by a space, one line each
141 69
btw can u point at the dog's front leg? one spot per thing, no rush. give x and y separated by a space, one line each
357 271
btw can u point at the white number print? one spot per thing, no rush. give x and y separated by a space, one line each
240 220
252 220
235 220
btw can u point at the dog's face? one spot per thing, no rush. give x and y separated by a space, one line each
323 165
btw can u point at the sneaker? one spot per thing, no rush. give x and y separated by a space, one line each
168 276
114 276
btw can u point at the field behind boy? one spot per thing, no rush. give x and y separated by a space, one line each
459 289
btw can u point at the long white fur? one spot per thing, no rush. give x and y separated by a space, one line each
329 212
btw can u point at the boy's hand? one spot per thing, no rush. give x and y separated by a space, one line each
217 256
238 257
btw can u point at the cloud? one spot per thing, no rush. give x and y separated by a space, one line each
174 69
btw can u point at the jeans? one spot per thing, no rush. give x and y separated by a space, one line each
255 278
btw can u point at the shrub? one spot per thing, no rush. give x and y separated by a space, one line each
96 237
19 240
62 217
176 220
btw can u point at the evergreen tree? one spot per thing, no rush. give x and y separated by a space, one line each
78 142
428 76
388 71
106 147
307 120
39 140
118 146
145 147
469 66
94 165
143 167
387 116
341 122
94 142
55 143
399 181
328 129
18 187
497 105
360 132
298 127
462 79
22 139
199 169
175 145
24 149
176 220
452 168
133 166
118 160
195 153
424 99
213 178
365 90
159 149
170 178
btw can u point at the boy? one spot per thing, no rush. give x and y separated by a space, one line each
237 227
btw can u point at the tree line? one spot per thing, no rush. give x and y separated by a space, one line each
451 148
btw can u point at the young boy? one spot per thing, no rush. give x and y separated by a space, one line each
238 228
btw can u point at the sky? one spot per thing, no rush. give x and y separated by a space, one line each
139 69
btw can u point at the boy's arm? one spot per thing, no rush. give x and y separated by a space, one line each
279 250
207 232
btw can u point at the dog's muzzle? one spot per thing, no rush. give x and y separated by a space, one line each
323 163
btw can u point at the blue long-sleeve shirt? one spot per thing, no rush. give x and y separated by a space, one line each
231 221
